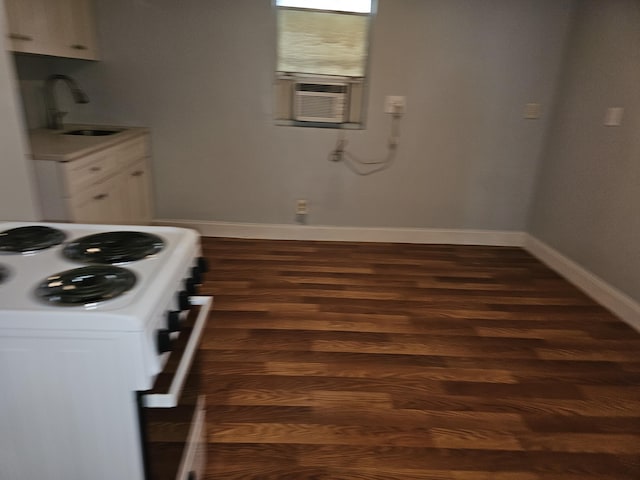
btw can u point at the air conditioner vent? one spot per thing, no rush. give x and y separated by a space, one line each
321 87
320 102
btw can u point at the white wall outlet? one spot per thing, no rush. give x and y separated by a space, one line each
613 116
301 207
395 104
532 111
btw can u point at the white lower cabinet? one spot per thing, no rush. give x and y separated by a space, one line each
100 203
112 185
137 193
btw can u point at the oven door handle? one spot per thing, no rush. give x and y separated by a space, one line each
172 396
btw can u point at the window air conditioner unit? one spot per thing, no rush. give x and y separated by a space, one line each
320 102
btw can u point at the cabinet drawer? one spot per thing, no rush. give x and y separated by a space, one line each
131 151
94 168
99 203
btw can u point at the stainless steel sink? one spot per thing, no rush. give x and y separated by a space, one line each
89 132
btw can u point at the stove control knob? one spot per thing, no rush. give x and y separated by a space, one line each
190 286
163 341
203 265
183 300
196 275
173 321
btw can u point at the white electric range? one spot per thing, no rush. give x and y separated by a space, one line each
88 318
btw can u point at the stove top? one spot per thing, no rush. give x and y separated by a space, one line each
86 285
30 296
114 247
30 238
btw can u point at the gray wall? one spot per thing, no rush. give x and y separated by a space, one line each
16 188
588 196
200 74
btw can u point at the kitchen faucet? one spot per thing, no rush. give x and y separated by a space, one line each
54 116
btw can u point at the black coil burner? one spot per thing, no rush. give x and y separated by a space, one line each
30 239
86 285
113 247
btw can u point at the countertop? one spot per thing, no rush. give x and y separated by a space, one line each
53 145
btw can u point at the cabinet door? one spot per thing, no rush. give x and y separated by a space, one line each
90 207
63 28
138 193
29 29
78 39
101 203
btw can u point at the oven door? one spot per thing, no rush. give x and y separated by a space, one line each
172 414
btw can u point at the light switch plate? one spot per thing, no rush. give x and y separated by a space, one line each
395 104
532 111
613 116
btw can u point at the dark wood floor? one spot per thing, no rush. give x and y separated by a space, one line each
382 361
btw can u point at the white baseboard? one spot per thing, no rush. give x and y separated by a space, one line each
619 303
350 234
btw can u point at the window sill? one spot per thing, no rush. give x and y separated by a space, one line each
339 126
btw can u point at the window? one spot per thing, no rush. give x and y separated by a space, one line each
356 6
322 61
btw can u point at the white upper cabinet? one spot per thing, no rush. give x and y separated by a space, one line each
80 35
61 28
29 29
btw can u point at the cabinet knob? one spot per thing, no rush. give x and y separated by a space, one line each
137 173
79 47
102 196
95 169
